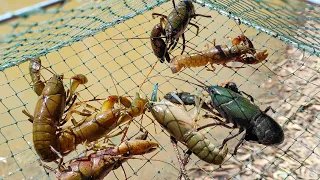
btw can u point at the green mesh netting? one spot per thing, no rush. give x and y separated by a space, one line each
76 38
